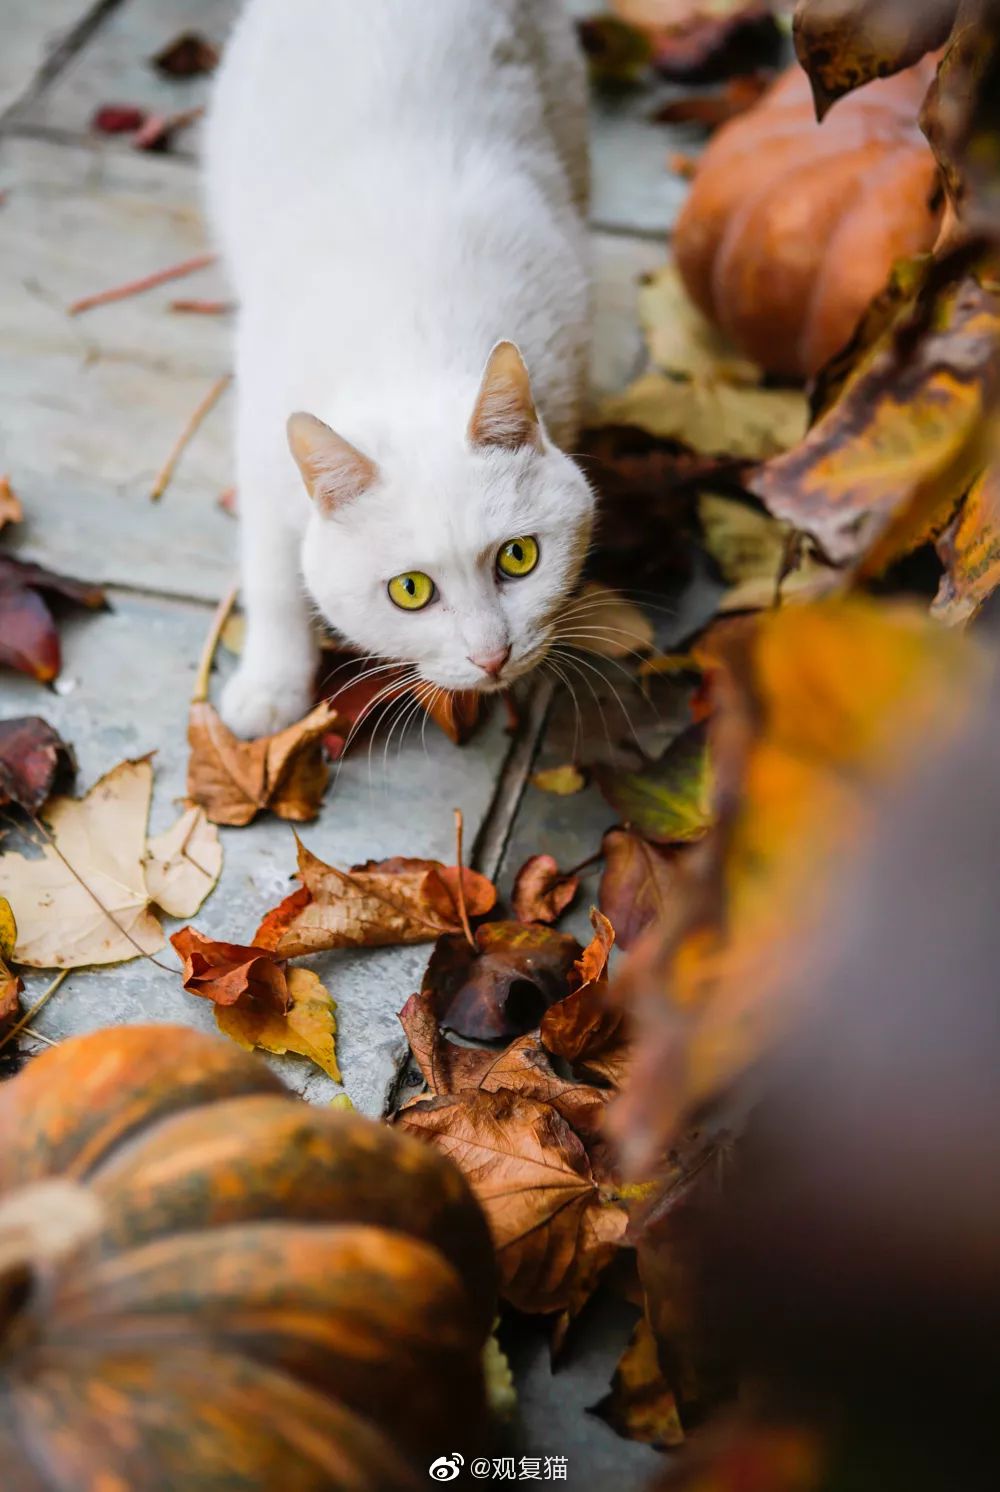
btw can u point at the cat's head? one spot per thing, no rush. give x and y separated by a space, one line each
459 562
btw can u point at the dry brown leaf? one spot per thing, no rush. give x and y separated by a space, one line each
307 1028
638 883
715 418
374 905
84 900
34 760
541 892
501 986
641 1405
970 552
227 973
234 780
586 1021
183 864
11 510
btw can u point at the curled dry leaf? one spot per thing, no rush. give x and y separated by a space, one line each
959 117
670 800
11 510
541 892
764 561
234 780
562 781
585 1022
637 885
970 552
226 973
884 468
375 905
641 1405
189 55
843 44
34 760
743 423
307 1028
29 638
502 986
183 864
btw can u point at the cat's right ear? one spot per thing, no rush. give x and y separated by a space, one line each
333 470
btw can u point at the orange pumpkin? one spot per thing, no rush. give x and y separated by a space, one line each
792 227
207 1284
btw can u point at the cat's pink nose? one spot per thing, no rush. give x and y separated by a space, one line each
491 663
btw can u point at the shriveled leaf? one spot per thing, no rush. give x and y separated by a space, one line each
34 760
234 780
10 504
375 905
541 892
741 422
183 864
970 552
710 110
602 622
307 1028
669 801
23 574
641 1405
503 986
586 1021
753 552
457 714
843 44
638 882
554 1228
562 781
189 55
700 38
84 900
887 464
29 638
230 973
960 119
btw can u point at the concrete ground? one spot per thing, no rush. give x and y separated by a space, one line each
90 407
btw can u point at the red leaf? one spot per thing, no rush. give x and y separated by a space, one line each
29 641
118 119
226 973
34 759
502 987
541 892
639 879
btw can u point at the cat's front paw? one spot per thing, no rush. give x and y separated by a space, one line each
258 704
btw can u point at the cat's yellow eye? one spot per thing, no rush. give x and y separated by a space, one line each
412 591
518 557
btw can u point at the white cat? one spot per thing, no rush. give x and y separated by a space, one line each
398 190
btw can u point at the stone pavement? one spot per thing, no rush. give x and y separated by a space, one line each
90 407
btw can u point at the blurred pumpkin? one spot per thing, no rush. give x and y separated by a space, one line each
206 1283
791 227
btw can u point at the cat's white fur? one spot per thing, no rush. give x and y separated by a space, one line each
396 187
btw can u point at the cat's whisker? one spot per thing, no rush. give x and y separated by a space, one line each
608 635
583 663
567 684
403 718
574 663
395 709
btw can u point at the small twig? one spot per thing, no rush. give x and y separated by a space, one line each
208 652
37 1035
190 430
30 1015
158 129
137 287
585 865
202 307
462 909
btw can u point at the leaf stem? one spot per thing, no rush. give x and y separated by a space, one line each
190 430
463 911
208 652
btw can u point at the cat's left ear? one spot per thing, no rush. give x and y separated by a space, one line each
333 470
505 414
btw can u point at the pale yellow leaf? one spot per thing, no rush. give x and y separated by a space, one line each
183 864
8 931
83 900
308 1028
684 342
712 417
750 549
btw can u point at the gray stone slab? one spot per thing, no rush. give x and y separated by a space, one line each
31 33
634 189
127 678
619 350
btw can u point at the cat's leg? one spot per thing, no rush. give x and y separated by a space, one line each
273 685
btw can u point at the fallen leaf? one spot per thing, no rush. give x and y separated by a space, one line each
638 881
34 760
11 510
84 900
502 986
10 985
375 905
555 1227
714 109
641 1406
455 713
618 54
719 419
118 119
884 468
306 1029
702 39
562 781
541 892
234 780
970 552
600 621
843 44
29 639
183 864
585 1021
670 800
189 55
753 552
960 121
681 339
157 132
226 973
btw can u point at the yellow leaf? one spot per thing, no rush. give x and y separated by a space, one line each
8 931
562 781
682 341
712 417
751 551
970 553
308 1028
